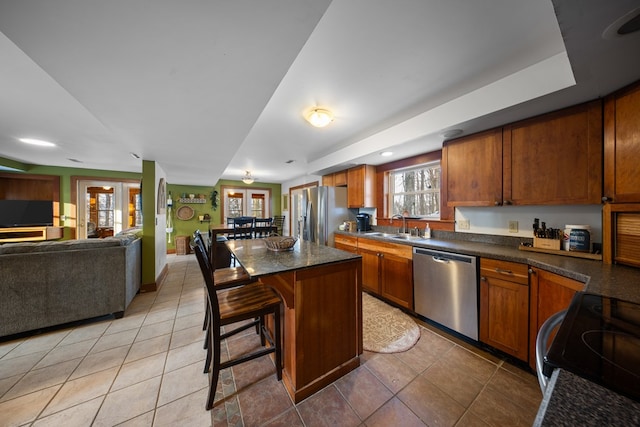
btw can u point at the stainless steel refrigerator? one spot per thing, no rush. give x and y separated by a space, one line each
325 208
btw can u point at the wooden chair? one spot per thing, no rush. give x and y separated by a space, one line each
252 302
242 227
262 227
278 222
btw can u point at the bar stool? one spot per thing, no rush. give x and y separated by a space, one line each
249 302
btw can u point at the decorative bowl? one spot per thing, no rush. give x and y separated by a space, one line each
280 243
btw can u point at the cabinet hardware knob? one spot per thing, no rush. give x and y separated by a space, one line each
606 199
497 203
532 271
484 279
507 202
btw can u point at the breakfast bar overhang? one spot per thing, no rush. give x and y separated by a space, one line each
322 291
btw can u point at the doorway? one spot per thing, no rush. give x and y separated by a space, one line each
104 208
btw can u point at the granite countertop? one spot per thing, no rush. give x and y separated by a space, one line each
258 261
569 399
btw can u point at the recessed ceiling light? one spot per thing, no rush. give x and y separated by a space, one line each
386 153
38 142
451 133
134 155
627 24
75 160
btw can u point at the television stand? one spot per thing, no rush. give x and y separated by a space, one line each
29 234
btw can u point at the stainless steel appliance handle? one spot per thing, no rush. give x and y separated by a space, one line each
442 260
541 345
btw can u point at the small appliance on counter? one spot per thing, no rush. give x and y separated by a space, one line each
363 222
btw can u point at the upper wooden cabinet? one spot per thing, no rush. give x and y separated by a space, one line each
622 145
472 169
554 159
327 180
336 179
361 186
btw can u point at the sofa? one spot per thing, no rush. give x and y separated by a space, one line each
50 283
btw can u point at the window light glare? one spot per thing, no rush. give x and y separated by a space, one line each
38 142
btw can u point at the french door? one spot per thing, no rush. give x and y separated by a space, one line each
246 202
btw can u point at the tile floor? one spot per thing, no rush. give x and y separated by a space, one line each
146 370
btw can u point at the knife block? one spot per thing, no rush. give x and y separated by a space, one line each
553 244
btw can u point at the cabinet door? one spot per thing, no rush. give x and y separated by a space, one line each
555 158
473 167
340 178
550 293
370 270
622 146
360 187
346 243
327 180
504 307
397 279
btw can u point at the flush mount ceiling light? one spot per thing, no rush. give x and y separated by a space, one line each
386 153
247 179
38 142
319 117
627 24
451 133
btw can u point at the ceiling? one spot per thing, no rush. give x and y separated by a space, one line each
210 89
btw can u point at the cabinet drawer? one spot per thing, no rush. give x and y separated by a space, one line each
506 270
403 251
346 240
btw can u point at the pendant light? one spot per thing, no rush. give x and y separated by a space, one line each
247 179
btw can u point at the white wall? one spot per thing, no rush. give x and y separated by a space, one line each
495 220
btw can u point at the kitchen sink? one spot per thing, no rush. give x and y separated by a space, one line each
406 237
380 234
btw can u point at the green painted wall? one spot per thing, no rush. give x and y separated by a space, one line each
186 228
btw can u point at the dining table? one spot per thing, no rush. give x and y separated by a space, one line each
321 288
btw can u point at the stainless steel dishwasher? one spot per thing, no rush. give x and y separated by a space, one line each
446 289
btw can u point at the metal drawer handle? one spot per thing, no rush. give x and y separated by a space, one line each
501 271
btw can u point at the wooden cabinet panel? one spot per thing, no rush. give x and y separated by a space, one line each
622 145
340 178
327 180
387 270
550 293
555 158
504 307
346 243
474 169
361 187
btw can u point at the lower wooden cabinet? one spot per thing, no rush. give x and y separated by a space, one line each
504 306
550 293
346 243
387 270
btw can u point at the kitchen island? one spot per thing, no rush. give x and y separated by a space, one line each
322 292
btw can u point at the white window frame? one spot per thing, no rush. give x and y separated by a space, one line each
411 210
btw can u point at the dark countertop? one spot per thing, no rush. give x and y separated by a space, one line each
569 399
258 261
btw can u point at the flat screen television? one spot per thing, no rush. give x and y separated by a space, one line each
26 213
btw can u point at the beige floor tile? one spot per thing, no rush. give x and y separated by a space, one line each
160 315
24 409
8 346
128 403
478 367
100 361
39 379
497 409
7 383
81 415
19 365
66 352
523 391
144 420
86 332
119 339
186 355
142 349
155 330
186 411
263 401
37 344
126 323
394 413
189 320
187 336
181 382
81 390
140 370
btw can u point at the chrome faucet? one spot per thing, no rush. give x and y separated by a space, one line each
404 222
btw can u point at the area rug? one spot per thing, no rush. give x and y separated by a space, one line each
386 329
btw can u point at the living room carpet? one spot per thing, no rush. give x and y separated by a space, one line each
386 329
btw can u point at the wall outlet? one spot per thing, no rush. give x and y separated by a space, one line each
513 226
463 224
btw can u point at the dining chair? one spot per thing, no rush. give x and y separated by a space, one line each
242 228
249 304
262 227
278 222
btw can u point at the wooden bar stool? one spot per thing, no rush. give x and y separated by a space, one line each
249 302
